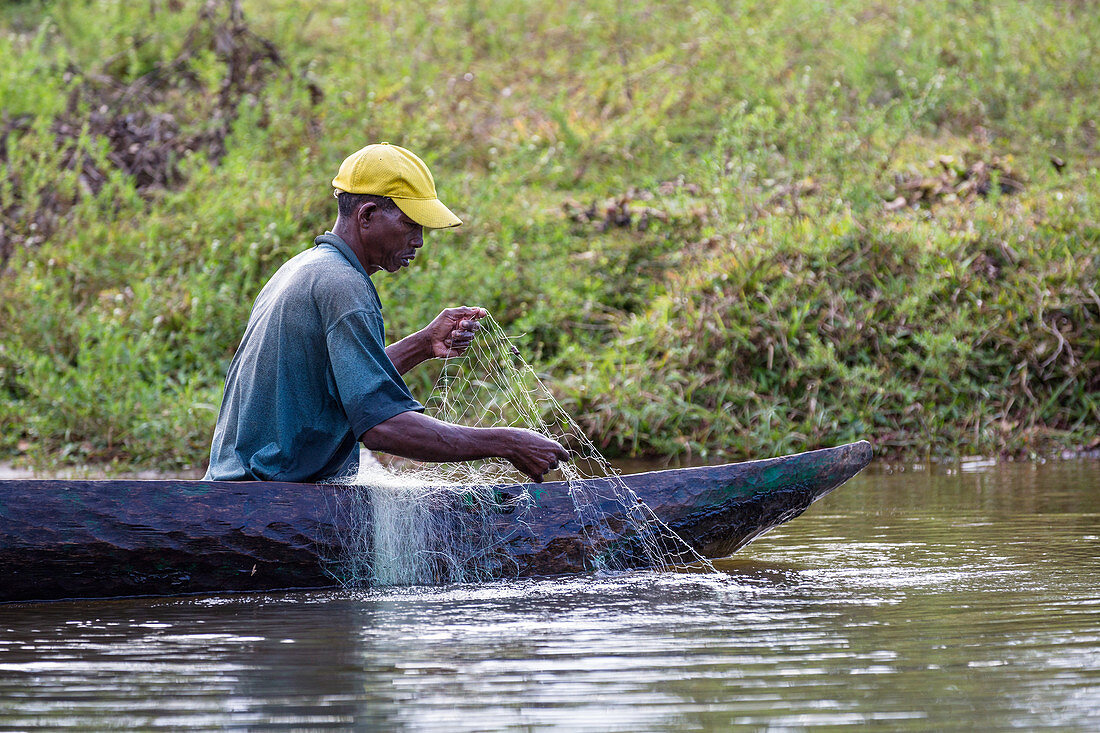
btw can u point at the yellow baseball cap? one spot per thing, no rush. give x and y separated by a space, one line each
389 170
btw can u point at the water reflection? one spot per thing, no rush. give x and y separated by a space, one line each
917 600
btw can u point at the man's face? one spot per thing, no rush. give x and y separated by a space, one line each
391 238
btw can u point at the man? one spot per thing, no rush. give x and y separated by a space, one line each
312 374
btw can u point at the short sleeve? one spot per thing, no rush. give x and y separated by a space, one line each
369 387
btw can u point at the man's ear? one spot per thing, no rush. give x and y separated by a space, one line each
365 212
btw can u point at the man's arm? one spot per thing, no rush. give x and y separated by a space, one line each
423 438
449 334
409 351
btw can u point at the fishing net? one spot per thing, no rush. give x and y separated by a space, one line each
418 523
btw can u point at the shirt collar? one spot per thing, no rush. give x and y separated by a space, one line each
342 246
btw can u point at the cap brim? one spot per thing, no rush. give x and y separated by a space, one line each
429 213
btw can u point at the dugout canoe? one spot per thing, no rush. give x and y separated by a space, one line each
94 539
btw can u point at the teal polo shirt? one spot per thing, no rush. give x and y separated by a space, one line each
311 374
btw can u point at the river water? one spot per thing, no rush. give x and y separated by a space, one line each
923 599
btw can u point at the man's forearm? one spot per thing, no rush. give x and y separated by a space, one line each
423 438
409 351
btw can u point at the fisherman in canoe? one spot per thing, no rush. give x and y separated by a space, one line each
313 376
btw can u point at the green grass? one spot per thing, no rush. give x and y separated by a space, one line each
682 209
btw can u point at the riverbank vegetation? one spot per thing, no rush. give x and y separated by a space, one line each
722 232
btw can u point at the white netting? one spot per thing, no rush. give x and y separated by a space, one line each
431 523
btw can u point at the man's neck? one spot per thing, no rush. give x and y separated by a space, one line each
350 235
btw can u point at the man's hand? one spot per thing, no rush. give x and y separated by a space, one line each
532 453
452 331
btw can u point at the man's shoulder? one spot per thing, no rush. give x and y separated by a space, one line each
319 258
324 275
317 267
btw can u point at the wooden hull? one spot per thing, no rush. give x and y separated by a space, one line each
87 539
